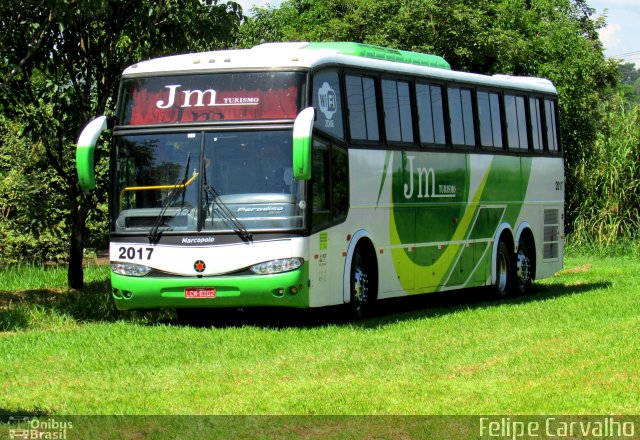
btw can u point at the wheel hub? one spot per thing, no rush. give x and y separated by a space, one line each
360 286
523 268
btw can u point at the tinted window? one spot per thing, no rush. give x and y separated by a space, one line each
320 190
240 96
363 113
461 116
522 123
431 114
371 108
514 108
535 110
329 184
328 104
339 182
490 120
397 111
550 124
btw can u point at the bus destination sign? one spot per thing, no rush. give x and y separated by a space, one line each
210 97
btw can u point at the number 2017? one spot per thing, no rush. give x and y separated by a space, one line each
131 253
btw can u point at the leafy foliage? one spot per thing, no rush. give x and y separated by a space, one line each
60 63
556 39
629 83
609 207
31 211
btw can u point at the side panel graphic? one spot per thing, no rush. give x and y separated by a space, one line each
443 213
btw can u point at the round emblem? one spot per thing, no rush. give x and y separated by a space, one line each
199 266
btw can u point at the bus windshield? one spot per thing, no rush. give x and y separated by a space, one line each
211 97
206 181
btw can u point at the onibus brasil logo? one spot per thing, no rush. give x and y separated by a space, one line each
49 429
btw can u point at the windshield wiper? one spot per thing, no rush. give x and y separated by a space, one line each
227 215
179 187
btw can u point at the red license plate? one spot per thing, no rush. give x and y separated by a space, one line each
200 293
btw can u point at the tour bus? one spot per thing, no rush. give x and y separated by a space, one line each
316 174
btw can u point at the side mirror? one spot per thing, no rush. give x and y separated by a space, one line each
86 150
302 135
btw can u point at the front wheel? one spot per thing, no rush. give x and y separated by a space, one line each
362 282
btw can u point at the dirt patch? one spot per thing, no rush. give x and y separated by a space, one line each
580 269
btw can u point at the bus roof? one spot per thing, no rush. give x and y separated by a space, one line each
304 55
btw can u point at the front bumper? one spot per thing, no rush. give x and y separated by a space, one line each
289 289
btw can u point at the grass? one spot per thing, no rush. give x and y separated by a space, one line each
31 277
569 348
36 298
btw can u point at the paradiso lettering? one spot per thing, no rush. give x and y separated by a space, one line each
200 99
427 187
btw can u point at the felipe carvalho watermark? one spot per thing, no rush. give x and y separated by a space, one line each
49 429
555 427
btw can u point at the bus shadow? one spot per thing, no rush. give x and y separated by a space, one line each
437 304
383 312
94 304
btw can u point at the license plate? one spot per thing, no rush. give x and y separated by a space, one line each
200 293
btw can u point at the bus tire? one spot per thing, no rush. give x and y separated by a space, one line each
363 283
504 270
524 267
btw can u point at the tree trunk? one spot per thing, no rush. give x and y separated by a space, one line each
79 211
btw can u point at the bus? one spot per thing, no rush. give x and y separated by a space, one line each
306 175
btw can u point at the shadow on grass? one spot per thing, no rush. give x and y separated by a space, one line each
383 312
47 308
51 308
19 415
443 303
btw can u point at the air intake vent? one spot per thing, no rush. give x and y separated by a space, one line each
550 245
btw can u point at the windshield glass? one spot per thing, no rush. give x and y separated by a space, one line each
232 96
206 181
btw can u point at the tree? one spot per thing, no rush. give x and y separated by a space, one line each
629 74
60 62
555 39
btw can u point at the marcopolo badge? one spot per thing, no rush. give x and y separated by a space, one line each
199 266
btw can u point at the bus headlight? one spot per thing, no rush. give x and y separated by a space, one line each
277 266
130 269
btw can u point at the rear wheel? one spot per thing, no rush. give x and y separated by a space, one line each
504 272
525 268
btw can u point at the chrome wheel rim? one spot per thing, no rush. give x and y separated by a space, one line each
360 287
523 269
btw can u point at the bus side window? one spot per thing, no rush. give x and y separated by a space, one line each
535 111
328 103
329 184
363 111
515 111
396 101
551 125
339 182
489 119
320 189
461 116
431 114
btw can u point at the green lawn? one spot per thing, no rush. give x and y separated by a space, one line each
570 348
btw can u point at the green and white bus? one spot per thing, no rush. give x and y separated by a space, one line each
315 174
